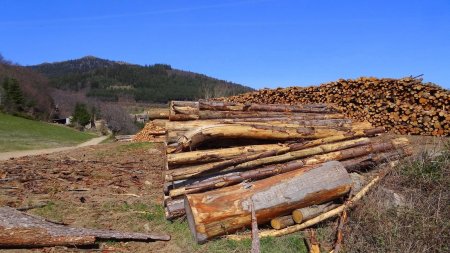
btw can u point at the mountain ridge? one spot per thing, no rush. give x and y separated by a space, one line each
109 80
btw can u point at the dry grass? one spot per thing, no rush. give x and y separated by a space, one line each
422 222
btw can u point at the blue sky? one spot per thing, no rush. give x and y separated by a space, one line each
259 43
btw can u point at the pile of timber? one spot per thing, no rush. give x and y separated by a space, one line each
405 106
292 162
151 132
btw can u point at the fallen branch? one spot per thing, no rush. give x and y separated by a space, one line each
339 235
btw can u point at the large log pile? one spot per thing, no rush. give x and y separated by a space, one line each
282 158
405 106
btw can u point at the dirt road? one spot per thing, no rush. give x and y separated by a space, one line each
16 154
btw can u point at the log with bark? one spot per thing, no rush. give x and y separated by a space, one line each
20 230
260 159
327 152
199 135
226 210
204 156
406 105
334 212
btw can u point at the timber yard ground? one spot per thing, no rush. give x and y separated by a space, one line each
118 186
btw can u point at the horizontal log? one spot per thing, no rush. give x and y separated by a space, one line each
282 222
303 214
252 161
203 156
174 208
236 177
246 114
231 106
223 131
225 210
212 155
18 229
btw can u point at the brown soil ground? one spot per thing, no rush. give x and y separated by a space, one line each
110 186
117 186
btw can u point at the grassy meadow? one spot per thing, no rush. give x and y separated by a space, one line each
23 134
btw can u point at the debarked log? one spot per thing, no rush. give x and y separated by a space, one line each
225 210
18 229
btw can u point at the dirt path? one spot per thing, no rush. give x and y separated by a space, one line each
16 154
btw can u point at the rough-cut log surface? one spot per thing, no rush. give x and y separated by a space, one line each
253 161
214 155
261 132
230 106
236 177
225 210
405 106
18 229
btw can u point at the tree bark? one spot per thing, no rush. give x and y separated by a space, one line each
204 156
236 177
213 155
225 210
253 161
174 208
19 229
197 136
230 106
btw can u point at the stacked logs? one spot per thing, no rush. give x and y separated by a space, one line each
405 106
151 132
282 158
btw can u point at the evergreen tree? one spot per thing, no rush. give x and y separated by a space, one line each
81 115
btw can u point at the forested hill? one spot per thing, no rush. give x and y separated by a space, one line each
111 80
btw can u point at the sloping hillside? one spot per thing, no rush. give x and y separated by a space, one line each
111 81
24 91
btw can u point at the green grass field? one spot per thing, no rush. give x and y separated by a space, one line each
22 134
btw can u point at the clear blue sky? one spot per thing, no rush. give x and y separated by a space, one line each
256 42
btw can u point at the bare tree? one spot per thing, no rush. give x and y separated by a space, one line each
206 91
118 120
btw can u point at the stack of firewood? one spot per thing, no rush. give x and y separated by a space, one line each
151 132
405 106
282 158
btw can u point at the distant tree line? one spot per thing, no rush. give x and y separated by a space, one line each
155 83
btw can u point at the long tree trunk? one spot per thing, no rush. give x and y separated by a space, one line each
262 132
230 106
253 161
204 156
20 230
336 155
225 210
236 177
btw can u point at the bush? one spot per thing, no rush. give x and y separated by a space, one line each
421 224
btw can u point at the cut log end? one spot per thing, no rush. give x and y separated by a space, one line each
297 216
